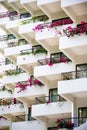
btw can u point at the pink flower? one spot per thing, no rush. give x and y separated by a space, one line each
83 22
48 102
69 28
50 64
58 120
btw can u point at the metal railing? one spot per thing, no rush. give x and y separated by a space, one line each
49 99
34 50
55 58
26 117
76 121
74 75
55 23
14 72
80 29
5 62
7 37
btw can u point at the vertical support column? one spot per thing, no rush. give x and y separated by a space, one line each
75 112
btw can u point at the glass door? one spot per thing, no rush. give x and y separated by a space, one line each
82 114
53 96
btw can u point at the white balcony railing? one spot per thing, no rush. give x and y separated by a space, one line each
5 94
54 69
51 110
16 50
74 47
32 59
11 109
31 92
74 87
7 67
15 78
4 122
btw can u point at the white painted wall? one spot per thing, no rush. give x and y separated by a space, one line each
15 78
12 109
42 2
27 27
3 68
28 125
31 91
5 94
54 69
3 44
4 21
72 86
48 109
75 41
16 50
4 122
13 24
51 32
27 1
12 1
26 59
67 3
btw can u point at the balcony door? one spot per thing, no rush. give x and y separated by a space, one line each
53 96
82 114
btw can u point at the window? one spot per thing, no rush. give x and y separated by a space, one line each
24 15
82 115
53 95
81 70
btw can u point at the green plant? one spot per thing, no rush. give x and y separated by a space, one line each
39 50
12 72
26 53
9 91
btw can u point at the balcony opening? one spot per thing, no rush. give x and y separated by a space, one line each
82 114
25 15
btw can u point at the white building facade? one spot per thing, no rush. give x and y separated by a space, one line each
44 66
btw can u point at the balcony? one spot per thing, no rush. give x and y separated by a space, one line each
32 7
14 76
30 92
15 4
76 10
12 109
29 57
4 123
49 108
25 125
5 41
74 84
26 28
74 43
51 69
52 8
4 19
12 25
48 34
5 92
14 49
5 66
3 44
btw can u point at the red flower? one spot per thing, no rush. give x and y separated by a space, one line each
58 120
48 102
83 22
69 28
